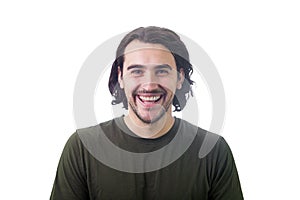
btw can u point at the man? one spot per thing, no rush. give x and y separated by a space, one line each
154 155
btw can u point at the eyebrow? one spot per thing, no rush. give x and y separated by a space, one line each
162 66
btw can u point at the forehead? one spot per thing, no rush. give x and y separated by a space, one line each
142 53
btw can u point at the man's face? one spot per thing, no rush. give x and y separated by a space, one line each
149 80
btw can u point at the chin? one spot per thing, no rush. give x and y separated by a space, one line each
153 119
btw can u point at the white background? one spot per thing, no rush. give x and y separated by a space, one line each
255 46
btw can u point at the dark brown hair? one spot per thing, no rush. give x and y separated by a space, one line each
154 35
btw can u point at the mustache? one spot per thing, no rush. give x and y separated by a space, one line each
143 91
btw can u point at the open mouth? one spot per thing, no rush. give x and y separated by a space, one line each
154 98
149 100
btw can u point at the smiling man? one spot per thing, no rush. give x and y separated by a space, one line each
149 79
154 155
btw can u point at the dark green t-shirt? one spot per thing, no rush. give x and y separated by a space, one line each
89 169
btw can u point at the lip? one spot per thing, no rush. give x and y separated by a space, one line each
149 100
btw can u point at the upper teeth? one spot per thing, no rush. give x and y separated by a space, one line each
149 98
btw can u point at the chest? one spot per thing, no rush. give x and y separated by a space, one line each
186 178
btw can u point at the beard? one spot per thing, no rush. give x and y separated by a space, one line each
154 119
155 113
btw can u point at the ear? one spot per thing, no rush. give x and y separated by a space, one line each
120 78
180 79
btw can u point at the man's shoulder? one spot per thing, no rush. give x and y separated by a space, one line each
188 127
208 141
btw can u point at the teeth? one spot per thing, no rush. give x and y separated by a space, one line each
149 98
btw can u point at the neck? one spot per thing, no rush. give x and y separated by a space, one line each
152 130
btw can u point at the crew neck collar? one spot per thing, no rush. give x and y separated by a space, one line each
131 139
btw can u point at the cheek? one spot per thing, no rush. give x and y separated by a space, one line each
129 87
170 84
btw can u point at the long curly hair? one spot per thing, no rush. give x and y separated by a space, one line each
154 35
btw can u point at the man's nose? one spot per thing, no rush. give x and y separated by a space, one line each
150 82
150 78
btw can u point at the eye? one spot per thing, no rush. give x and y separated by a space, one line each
136 72
162 72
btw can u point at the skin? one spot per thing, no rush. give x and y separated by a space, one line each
149 79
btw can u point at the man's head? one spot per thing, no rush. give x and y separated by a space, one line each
151 71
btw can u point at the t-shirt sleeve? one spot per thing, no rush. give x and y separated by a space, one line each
225 183
70 181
